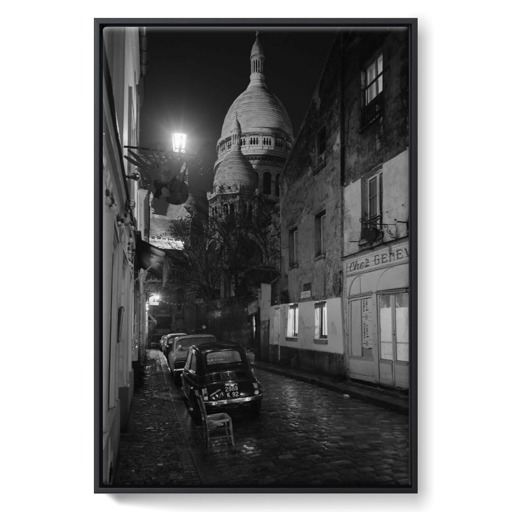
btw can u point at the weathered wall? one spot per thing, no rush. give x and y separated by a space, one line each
311 184
368 145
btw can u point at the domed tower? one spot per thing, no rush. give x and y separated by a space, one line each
266 132
235 182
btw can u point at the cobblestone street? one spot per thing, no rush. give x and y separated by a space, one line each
306 436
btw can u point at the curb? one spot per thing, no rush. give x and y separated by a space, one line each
370 396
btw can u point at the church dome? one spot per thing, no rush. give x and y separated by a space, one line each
257 108
235 170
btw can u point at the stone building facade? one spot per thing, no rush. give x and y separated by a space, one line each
343 307
376 208
125 217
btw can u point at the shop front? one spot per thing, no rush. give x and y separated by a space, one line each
377 309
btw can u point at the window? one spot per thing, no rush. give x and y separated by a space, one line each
320 234
225 208
242 141
223 357
277 184
232 209
292 327
267 141
373 80
394 326
193 362
293 247
374 212
320 320
267 183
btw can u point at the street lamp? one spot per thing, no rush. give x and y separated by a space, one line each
158 166
179 141
154 300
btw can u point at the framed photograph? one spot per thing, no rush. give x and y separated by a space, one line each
255 255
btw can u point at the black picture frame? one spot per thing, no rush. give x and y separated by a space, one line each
411 25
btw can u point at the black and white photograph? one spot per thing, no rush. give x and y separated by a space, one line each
255 196
257 258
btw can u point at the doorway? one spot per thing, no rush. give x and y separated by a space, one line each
393 325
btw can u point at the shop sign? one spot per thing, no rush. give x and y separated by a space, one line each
366 323
386 257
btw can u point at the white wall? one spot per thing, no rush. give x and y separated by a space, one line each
305 340
395 200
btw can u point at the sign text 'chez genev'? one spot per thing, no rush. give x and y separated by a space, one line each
396 254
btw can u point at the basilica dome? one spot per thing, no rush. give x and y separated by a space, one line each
257 109
235 171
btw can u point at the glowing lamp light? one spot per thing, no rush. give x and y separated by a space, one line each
154 300
179 141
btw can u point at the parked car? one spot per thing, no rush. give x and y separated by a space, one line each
178 354
223 375
169 341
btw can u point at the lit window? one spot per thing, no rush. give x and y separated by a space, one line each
293 247
292 329
320 234
320 320
373 79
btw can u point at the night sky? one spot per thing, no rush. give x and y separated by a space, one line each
195 74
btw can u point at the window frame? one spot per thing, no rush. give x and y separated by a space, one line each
293 247
294 332
320 219
321 332
369 218
378 196
367 84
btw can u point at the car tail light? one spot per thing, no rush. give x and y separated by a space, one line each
256 388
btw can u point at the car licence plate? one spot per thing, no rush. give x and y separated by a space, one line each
231 390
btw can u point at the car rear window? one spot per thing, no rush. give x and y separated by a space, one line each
223 357
184 344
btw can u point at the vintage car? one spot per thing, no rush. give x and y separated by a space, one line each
222 374
178 355
169 341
